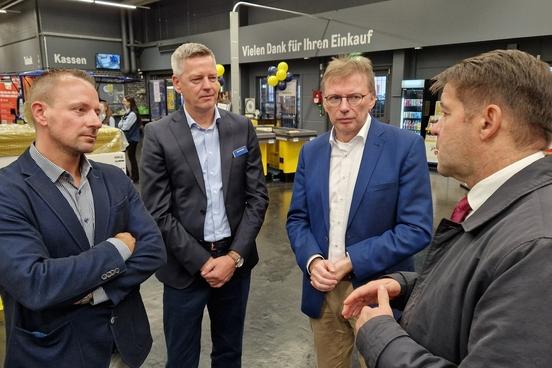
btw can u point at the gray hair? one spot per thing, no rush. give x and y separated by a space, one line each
187 51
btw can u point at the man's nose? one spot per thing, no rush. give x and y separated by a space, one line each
94 120
344 104
436 127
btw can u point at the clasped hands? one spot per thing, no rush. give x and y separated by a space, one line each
325 275
218 271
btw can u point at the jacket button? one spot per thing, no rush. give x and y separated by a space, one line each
104 277
112 320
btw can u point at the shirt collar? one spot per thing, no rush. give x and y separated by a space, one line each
192 122
486 187
362 133
53 171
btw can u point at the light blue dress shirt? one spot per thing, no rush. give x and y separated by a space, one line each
207 145
81 201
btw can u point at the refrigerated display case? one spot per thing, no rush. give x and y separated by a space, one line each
417 104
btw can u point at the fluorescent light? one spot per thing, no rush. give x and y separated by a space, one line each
2 11
108 3
115 4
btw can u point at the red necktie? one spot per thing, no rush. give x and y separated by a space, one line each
461 210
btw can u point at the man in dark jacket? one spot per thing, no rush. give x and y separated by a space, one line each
203 183
481 300
76 241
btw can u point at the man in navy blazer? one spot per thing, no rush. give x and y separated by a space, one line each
76 241
361 205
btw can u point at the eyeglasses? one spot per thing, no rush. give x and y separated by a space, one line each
353 99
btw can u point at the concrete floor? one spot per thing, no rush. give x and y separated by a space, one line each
277 334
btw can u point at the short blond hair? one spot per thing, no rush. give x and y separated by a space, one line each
516 81
342 67
186 51
41 88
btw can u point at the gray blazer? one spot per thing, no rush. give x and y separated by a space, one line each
483 299
174 192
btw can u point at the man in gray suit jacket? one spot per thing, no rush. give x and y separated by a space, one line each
204 185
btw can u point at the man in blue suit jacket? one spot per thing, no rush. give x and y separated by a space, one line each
75 241
361 206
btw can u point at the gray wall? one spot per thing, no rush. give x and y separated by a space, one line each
19 47
76 18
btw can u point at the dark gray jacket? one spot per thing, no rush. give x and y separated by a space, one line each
483 298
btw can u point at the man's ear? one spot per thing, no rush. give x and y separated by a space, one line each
176 84
38 109
491 121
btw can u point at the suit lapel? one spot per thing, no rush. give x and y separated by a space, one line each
372 152
47 190
101 204
226 144
183 136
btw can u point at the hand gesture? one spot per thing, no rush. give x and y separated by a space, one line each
383 309
369 295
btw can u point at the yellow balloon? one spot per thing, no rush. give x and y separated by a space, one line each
281 74
272 81
283 66
220 70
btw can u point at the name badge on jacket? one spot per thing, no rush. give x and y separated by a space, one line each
239 152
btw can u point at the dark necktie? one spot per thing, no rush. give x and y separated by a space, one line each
461 210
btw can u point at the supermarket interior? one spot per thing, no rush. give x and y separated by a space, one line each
270 58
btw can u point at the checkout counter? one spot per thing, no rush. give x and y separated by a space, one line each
284 154
266 138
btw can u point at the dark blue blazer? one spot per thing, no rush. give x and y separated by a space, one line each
46 265
390 217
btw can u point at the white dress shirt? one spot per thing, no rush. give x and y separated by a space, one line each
486 187
344 166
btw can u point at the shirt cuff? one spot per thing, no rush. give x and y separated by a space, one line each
121 248
99 296
312 259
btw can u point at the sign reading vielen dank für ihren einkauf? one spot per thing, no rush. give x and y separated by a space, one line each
333 41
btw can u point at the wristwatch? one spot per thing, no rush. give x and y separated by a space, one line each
238 260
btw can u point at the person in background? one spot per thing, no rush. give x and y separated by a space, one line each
130 124
106 115
76 241
482 299
361 205
203 182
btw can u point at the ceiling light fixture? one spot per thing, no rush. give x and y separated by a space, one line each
108 3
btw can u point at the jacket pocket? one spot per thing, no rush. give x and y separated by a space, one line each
384 186
59 348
